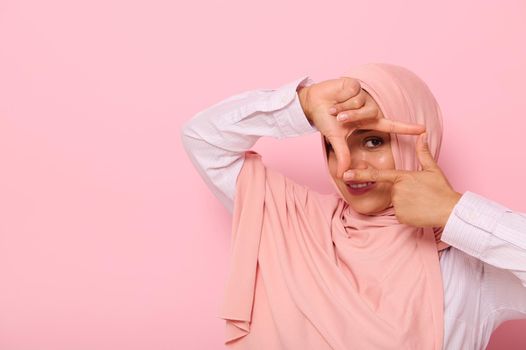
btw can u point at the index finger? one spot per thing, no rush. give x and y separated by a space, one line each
392 126
373 175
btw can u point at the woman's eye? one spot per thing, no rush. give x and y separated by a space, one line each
373 142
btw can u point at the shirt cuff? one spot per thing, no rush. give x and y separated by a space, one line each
292 120
471 223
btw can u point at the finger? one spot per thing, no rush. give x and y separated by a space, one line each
391 126
364 113
350 104
374 175
423 153
343 156
348 88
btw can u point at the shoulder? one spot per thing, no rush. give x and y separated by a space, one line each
277 182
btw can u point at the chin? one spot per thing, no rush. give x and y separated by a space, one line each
365 210
369 203
367 206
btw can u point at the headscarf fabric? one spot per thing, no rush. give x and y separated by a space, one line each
308 272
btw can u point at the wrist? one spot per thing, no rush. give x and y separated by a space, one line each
302 95
452 202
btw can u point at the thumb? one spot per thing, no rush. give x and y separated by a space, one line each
343 156
347 88
424 155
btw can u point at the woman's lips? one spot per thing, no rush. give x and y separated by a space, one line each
357 188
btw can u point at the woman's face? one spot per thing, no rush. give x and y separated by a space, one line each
369 149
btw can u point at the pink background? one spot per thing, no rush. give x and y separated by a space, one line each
109 237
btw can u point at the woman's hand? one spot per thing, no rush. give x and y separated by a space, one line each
414 192
345 96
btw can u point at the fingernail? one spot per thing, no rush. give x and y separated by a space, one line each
332 110
348 175
342 116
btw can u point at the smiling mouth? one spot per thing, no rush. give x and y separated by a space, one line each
358 188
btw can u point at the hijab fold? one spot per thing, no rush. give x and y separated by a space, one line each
308 272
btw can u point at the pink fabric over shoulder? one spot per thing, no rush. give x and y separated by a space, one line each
307 272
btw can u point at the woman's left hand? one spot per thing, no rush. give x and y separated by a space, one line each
415 192
346 96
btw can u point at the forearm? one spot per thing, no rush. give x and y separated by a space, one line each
490 232
217 137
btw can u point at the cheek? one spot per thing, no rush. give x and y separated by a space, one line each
381 159
386 188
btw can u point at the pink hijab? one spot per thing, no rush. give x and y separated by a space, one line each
307 272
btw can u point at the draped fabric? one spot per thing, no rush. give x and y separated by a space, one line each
308 272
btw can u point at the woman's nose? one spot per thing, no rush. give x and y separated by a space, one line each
357 162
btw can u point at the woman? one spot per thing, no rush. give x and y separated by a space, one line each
313 271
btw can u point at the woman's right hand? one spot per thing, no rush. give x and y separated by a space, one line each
346 95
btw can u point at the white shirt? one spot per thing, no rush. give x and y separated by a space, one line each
484 270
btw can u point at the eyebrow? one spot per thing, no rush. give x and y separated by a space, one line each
361 131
